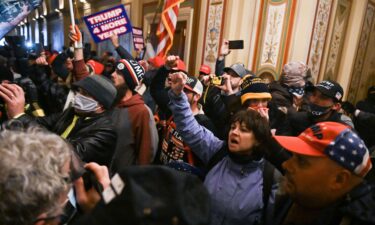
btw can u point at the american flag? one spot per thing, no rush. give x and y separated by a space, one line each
167 26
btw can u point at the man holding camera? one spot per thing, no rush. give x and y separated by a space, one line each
85 125
218 90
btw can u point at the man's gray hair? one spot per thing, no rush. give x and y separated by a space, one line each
31 177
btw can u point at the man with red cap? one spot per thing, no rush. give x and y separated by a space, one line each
159 91
324 178
204 71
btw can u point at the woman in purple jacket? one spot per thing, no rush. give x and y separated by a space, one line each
235 182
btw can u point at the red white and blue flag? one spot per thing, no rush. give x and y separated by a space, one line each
167 26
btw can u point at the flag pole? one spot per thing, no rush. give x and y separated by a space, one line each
72 19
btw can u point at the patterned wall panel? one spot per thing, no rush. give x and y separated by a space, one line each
358 88
337 39
213 31
274 31
319 35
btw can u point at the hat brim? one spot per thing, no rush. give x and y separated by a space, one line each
324 92
249 96
226 69
299 146
191 89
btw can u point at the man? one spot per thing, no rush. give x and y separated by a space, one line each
134 122
204 71
173 146
325 178
214 96
324 104
36 178
289 90
85 125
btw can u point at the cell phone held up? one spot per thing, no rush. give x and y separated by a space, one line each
235 44
217 81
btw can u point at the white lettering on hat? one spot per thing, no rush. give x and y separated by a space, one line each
326 84
189 80
117 183
137 68
120 66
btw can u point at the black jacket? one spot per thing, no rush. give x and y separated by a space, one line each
92 138
367 105
280 96
300 121
364 123
358 208
52 96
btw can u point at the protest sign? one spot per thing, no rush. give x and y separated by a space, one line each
107 22
138 41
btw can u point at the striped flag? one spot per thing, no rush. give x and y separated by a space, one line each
167 26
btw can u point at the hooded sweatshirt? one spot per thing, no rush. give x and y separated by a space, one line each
137 135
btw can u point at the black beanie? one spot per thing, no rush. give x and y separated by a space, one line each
254 88
99 87
58 66
132 72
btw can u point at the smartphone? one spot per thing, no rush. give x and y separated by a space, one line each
236 44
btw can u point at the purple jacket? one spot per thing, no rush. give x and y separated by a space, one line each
235 190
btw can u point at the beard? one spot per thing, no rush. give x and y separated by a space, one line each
121 90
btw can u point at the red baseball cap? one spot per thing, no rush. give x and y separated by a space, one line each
96 66
156 61
205 69
181 65
333 140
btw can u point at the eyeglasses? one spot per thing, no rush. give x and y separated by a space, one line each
50 217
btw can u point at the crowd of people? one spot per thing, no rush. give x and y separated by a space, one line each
121 140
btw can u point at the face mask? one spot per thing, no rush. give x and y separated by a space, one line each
256 108
84 104
317 110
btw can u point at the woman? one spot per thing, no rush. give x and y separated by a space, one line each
235 182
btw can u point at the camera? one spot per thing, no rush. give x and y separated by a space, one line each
217 81
90 181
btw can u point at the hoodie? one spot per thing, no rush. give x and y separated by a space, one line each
137 135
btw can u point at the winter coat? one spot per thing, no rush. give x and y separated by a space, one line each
93 138
235 189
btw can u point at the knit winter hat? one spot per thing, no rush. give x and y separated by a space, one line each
294 74
132 72
99 87
254 88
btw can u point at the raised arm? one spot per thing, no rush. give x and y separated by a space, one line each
202 141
